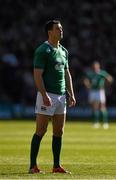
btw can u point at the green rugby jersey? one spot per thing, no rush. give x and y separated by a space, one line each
97 79
53 61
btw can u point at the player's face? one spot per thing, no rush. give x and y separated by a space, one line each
96 67
57 32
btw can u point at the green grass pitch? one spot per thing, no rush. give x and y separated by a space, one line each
87 152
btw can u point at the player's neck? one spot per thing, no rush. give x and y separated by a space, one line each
97 71
54 43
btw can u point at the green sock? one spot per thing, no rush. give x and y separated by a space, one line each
56 148
35 143
96 116
104 116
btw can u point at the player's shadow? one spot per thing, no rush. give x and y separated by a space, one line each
14 173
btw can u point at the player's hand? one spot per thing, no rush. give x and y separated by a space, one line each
71 101
47 100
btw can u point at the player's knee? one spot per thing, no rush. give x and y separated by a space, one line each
58 132
41 132
103 108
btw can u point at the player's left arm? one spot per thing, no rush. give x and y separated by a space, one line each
109 79
69 87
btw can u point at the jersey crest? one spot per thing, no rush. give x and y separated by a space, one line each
48 50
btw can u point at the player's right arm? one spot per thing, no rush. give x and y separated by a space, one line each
40 86
87 83
39 66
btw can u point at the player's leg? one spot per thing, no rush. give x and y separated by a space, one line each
58 128
96 113
103 109
104 114
42 115
94 99
41 128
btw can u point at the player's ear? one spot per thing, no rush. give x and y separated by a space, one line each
49 33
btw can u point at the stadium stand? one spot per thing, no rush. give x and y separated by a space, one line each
89 33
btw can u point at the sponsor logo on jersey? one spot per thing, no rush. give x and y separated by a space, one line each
59 66
63 54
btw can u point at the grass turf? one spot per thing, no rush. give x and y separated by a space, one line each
88 153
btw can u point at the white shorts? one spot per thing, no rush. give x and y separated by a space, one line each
58 105
97 95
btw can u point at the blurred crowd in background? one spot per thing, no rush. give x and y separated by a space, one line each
89 34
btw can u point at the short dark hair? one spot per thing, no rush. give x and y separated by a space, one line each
49 25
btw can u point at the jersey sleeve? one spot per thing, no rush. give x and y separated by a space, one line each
39 59
105 74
